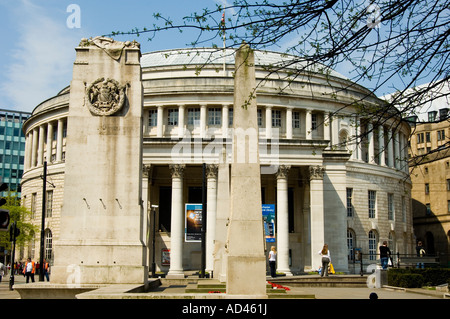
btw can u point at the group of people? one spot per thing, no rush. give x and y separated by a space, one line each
385 258
28 269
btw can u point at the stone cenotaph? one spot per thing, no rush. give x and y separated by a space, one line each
246 266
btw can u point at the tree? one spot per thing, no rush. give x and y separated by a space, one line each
18 214
390 45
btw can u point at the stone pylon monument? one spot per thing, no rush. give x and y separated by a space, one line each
102 229
246 266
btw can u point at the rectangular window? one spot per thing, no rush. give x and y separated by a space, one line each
372 203
194 116
295 119
214 116
427 137
276 118
152 118
49 204
349 202
230 116
313 121
391 206
173 117
420 138
33 205
441 135
259 113
427 189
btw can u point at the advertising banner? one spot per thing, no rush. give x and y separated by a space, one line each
268 212
193 227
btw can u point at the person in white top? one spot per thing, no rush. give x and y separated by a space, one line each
326 259
273 261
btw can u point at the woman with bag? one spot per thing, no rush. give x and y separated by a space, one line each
326 259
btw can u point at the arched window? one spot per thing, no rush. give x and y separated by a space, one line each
373 244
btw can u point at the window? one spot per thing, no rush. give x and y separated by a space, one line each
33 205
152 117
173 117
351 243
372 245
448 184
259 114
427 189
230 116
441 135
432 116
214 116
295 119
428 209
419 138
313 121
48 245
349 202
49 204
194 116
403 209
372 204
391 206
276 118
427 137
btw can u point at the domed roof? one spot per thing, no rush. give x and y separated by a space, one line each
203 56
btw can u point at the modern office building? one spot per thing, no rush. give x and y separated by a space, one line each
334 176
12 149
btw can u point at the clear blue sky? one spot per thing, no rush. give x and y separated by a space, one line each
37 50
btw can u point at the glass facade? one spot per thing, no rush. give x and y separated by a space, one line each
12 148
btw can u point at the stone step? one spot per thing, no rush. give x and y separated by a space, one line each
317 281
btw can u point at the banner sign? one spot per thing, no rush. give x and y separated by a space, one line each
193 227
268 212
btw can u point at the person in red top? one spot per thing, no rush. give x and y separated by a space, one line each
29 270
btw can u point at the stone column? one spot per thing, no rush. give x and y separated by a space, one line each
225 121
371 150
34 147
283 220
268 121
40 157
29 146
317 214
203 120
211 210
289 122
177 223
396 150
160 121
308 125
49 141
59 140
181 120
381 145
390 149
330 124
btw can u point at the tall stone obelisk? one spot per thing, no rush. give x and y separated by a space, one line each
246 270
102 237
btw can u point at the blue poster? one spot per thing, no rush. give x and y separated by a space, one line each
268 212
193 229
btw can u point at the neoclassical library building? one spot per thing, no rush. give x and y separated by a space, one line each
125 143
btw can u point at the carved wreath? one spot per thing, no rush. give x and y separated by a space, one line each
105 97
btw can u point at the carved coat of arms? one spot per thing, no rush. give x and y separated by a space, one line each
105 97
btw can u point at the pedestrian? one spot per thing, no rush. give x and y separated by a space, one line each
420 253
29 270
326 259
385 254
273 261
2 270
46 269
